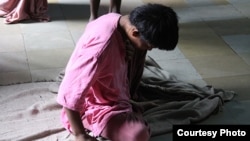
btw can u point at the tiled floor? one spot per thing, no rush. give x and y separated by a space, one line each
214 47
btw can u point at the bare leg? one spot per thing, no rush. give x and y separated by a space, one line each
94 7
115 6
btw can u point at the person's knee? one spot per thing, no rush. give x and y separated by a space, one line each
142 135
125 127
138 133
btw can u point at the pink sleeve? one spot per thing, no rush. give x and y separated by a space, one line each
78 78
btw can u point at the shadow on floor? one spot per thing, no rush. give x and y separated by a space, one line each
72 12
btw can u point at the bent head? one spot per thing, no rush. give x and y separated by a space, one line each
155 26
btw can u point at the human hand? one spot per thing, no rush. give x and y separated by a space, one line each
84 137
129 51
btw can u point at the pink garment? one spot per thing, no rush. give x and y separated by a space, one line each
95 81
127 127
18 10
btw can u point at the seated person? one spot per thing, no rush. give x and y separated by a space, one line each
104 69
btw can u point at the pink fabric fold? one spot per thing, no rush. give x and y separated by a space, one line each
17 10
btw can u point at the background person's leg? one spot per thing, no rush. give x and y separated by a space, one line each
94 7
115 6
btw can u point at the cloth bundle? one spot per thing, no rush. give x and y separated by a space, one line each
167 101
17 10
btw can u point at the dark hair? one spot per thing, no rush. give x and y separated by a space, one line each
157 25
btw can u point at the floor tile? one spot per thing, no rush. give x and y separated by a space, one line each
199 3
49 58
162 55
216 13
241 111
196 31
181 68
175 63
219 65
227 27
43 27
238 1
239 84
13 62
187 15
76 34
7 44
245 57
221 1
243 7
8 28
76 28
204 47
239 43
172 3
76 25
50 40
205 2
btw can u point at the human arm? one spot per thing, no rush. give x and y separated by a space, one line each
77 126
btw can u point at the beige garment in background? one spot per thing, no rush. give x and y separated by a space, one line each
17 10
